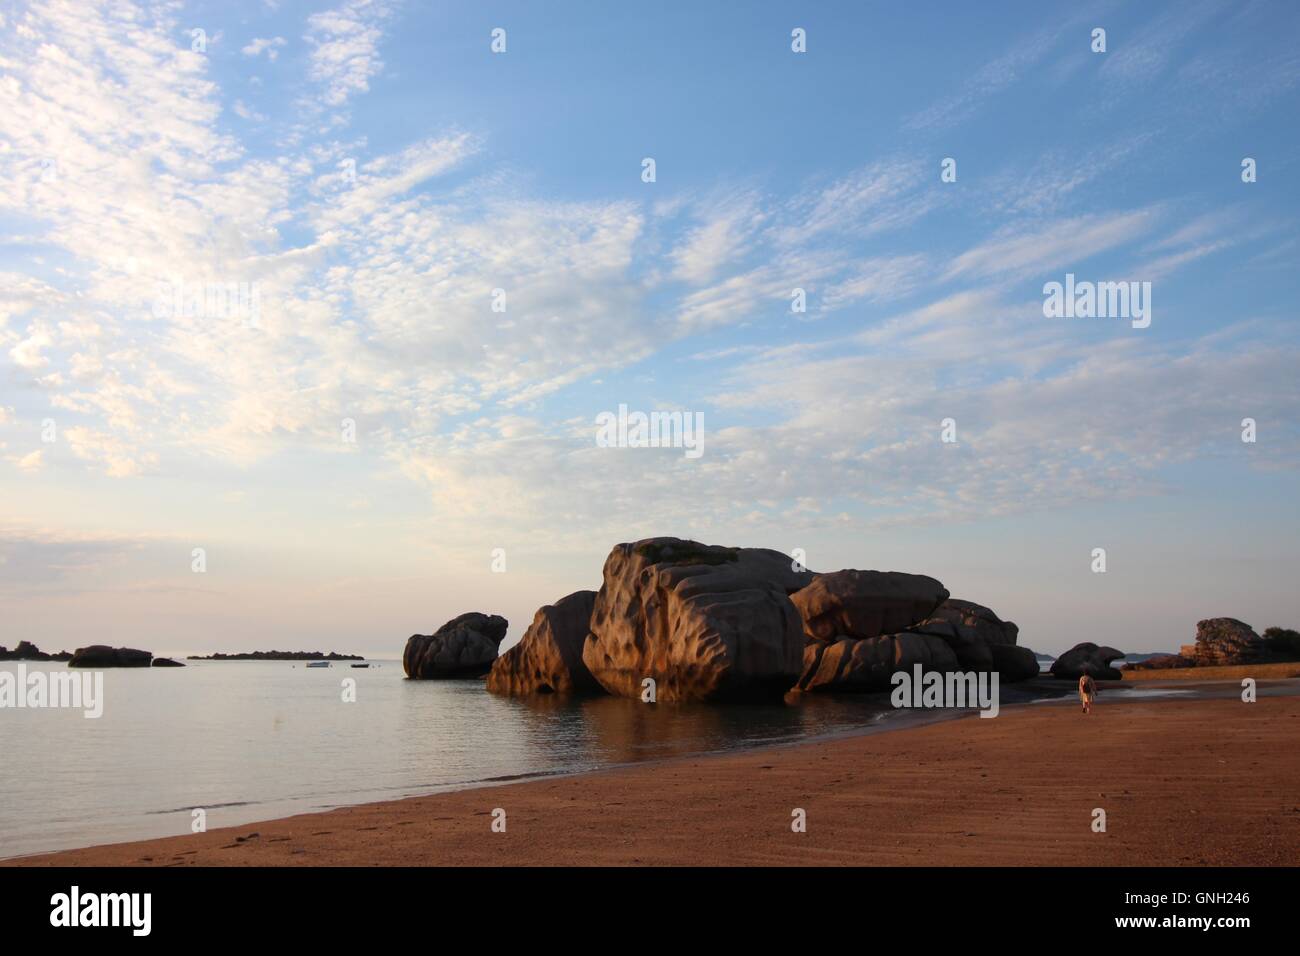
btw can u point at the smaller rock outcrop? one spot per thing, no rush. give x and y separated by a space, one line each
1087 658
25 651
1225 640
166 662
465 646
1014 663
276 656
101 655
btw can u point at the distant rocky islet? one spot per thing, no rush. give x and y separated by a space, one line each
103 656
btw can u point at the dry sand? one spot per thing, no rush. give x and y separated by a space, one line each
1227 672
1182 783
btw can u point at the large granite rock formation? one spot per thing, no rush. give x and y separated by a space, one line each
704 622
1087 658
101 655
465 646
865 604
866 664
548 659
1225 640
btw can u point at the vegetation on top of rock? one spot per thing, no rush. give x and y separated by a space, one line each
1282 640
658 552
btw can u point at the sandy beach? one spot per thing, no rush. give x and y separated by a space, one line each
1207 782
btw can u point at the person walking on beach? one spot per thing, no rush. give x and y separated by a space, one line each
1087 691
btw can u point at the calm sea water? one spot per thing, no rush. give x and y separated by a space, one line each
252 741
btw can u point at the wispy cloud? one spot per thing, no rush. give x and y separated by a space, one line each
1045 246
345 47
258 45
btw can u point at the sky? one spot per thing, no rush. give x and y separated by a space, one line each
448 260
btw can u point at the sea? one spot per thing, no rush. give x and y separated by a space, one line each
257 740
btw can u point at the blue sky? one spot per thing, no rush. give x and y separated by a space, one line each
129 438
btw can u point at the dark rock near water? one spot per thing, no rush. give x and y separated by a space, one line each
1014 663
25 651
101 655
1087 658
548 659
166 662
465 646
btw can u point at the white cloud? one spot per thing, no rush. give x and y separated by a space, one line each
376 304
31 462
244 111
990 79
883 195
268 45
877 280
345 48
27 353
1051 245
115 457
726 231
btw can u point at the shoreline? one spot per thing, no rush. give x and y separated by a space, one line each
1183 782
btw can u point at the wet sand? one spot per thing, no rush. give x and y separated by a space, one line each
1183 782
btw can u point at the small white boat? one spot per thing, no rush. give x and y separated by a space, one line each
319 664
